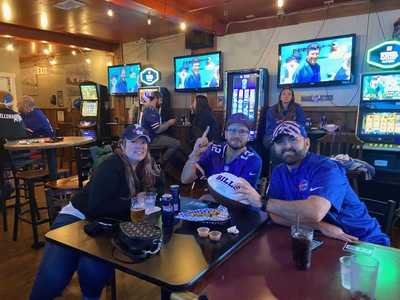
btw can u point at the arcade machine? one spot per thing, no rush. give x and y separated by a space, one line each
95 111
246 91
379 121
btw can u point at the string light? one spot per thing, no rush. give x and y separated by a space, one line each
73 52
110 12
148 20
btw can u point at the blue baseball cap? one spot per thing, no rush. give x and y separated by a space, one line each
6 98
239 118
290 128
135 131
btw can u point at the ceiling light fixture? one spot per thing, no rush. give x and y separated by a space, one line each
73 52
87 49
110 12
280 3
148 20
44 21
88 61
7 36
6 9
52 61
46 51
10 47
183 26
33 47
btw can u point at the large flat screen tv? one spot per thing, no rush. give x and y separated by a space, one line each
123 79
318 62
380 87
198 73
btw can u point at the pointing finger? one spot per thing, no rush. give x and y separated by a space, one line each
205 133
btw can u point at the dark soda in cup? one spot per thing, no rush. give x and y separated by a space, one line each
301 249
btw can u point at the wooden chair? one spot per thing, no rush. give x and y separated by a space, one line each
342 143
383 211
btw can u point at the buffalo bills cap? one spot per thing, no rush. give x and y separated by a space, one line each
290 128
135 131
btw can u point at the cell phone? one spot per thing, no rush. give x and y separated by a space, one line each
316 244
357 248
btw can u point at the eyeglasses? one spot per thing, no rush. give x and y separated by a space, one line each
241 132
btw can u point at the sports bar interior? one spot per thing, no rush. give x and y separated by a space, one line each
251 148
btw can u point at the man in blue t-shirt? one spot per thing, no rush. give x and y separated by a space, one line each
151 121
35 120
232 156
328 202
310 70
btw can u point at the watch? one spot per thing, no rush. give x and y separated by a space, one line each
264 201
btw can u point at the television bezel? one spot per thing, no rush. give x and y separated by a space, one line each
372 138
89 84
122 65
206 89
376 74
321 83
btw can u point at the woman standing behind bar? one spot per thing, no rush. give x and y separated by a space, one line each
121 176
285 110
201 117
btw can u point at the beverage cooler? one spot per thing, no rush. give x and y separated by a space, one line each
246 91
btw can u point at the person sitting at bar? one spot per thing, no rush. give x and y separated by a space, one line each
151 121
120 177
233 156
313 189
35 120
201 117
11 122
285 110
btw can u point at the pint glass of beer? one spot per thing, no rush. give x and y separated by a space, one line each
137 209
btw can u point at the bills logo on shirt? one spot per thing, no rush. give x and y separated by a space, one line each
303 185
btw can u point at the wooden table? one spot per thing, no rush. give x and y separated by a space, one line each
263 269
50 148
182 261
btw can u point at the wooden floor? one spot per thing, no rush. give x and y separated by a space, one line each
18 264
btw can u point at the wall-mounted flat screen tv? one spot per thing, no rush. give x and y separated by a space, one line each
318 62
123 79
380 87
198 73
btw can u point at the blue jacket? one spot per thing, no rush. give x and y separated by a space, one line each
307 73
272 122
37 121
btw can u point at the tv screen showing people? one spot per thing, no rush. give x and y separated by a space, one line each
124 79
326 61
89 108
198 72
381 123
381 87
244 94
89 92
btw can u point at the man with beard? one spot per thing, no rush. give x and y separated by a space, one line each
315 189
193 81
310 70
232 156
151 121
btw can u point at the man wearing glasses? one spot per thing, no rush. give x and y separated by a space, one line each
232 156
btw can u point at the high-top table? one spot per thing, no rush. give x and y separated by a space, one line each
263 269
50 148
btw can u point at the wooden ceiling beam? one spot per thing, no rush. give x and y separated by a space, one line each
174 13
55 37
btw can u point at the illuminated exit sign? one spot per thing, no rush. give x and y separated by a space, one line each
385 55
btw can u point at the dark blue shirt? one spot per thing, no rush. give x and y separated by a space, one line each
307 73
37 121
193 81
247 165
272 122
121 87
151 120
323 177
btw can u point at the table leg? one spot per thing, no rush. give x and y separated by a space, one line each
52 163
165 294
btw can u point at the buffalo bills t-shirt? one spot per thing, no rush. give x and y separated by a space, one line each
323 177
37 121
151 120
247 165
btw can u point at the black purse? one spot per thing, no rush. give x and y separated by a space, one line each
138 240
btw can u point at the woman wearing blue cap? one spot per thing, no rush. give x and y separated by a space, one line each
120 177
